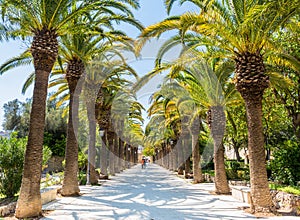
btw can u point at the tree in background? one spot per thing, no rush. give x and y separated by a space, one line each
12 115
55 128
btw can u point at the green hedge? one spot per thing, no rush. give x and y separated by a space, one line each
12 152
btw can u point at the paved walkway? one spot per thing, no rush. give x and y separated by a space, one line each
149 194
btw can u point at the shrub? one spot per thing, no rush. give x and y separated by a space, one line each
288 189
236 170
56 143
11 164
286 163
12 152
82 178
47 153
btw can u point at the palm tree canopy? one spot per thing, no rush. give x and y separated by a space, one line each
236 26
28 17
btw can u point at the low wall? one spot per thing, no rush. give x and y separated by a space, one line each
285 202
47 195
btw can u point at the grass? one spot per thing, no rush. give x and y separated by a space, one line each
288 189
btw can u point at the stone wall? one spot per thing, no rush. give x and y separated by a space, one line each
285 202
8 209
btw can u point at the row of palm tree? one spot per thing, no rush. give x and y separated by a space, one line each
78 39
45 24
241 32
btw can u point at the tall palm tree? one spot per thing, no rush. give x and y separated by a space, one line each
77 50
205 88
115 48
80 49
243 30
113 82
127 120
210 90
171 121
42 22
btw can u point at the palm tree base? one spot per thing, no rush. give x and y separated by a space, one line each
263 210
70 191
26 209
222 193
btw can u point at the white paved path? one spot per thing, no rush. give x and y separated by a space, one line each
149 194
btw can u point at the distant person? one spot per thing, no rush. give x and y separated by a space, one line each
143 162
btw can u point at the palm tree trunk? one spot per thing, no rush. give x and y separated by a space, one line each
221 182
187 154
122 155
127 155
91 172
187 168
132 155
181 158
217 123
197 173
260 191
29 202
136 155
103 156
175 158
116 153
44 50
163 156
70 184
111 140
172 158
251 81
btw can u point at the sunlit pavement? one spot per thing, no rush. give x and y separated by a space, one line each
148 194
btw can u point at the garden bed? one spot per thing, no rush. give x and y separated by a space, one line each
8 206
286 203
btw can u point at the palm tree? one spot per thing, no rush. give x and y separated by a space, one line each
113 72
242 29
43 22
127 120
171 119
74 71
206 92
210 90
80 49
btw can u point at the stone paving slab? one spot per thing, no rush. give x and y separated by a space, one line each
149 194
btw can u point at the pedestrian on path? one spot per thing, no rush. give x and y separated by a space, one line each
143 162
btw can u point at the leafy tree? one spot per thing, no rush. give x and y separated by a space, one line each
11 162
236 129
12 152
288 40
12 114
16 117
55 128
286 162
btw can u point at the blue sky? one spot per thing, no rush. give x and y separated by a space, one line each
151 11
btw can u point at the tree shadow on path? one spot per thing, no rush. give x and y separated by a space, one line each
152 193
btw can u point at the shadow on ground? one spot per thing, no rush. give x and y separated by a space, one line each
145 194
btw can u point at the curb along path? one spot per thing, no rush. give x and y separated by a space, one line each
147 194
